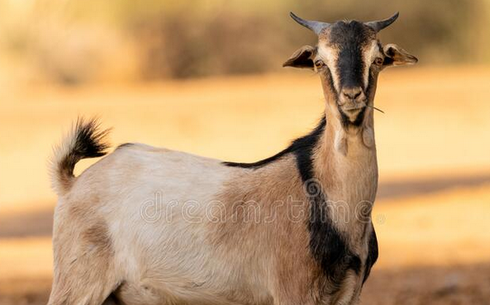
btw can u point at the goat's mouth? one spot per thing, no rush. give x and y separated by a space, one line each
354 108
352 113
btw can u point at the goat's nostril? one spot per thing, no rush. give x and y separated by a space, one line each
352 93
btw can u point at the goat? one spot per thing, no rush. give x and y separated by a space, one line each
149 225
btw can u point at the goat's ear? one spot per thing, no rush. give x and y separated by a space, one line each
302 58
396 56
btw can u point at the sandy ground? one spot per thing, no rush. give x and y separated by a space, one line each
434 199
416 286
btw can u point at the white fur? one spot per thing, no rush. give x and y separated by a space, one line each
369 58
329 56
157 203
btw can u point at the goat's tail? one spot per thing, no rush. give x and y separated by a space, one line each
85 140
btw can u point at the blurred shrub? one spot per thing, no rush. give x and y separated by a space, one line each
179 46
74 42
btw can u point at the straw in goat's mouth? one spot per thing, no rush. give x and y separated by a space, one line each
375 108
366 105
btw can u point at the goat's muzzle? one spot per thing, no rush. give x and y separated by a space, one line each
352 98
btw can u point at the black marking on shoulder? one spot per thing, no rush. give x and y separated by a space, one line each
372 255
327 245
297 146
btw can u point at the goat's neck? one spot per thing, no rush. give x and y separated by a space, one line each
346 166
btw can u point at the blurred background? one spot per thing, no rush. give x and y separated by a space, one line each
206 77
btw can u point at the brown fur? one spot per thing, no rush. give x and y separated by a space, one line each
295 277
83 256
278 190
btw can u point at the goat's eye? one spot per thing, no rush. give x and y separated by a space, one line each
378 61
319 63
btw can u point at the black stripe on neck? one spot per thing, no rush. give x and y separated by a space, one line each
372 255
299 145
327 245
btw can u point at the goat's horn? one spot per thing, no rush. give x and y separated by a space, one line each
315 26
381 24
